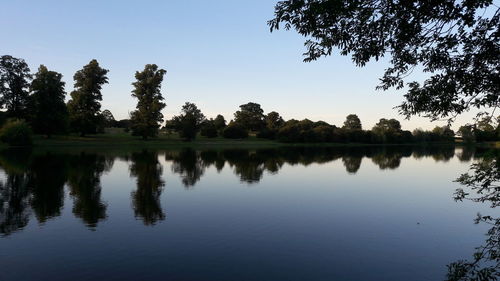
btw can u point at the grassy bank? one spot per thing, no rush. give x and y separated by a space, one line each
123 140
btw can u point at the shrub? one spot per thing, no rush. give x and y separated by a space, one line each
208 130
16 133
234 131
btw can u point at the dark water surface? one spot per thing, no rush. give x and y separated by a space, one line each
263 214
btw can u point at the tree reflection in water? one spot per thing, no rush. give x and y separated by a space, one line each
481 185
146 198
34 183
84 181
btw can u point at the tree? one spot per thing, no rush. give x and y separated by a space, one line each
48 114
189 122
467 133
387 125
108 119
352 122
274 121
208 129
84 107
147 90
456 42
14 83
219 122
250 116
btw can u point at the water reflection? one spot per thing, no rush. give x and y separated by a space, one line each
33 184
146 199
84 181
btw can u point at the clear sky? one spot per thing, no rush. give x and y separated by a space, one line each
218 54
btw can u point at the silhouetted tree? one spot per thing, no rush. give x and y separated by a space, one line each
235 131
250 116
189 122
108 119
219 122
147 90
47 110
208 129
84 107
352 122
14 83
455 41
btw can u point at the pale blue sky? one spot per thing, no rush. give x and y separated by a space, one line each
218 54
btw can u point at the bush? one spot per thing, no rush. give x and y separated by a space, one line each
208 130
16 133
267 133
235 131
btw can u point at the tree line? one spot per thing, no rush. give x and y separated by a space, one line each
30 185
251 120
37 102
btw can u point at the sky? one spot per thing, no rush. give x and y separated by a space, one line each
218 54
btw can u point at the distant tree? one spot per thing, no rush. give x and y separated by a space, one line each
387 125
14 83
387 131
444 133
274 121
189 122
250 116
147 90
352 122
108 119
235 131
455 41
84 107
208 129
219 122
467 133
47 111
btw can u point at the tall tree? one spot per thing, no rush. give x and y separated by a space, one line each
352 122
250 116
189 122
456 42
48 114
147 90
84 107
14 83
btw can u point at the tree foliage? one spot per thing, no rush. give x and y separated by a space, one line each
455 42
84 107
250 116
108 118
189 122
352 122
47 110
219 122
16 133
147 90
14 83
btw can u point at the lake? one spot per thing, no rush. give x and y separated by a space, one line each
288 213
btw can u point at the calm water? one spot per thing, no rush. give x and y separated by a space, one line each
270 214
